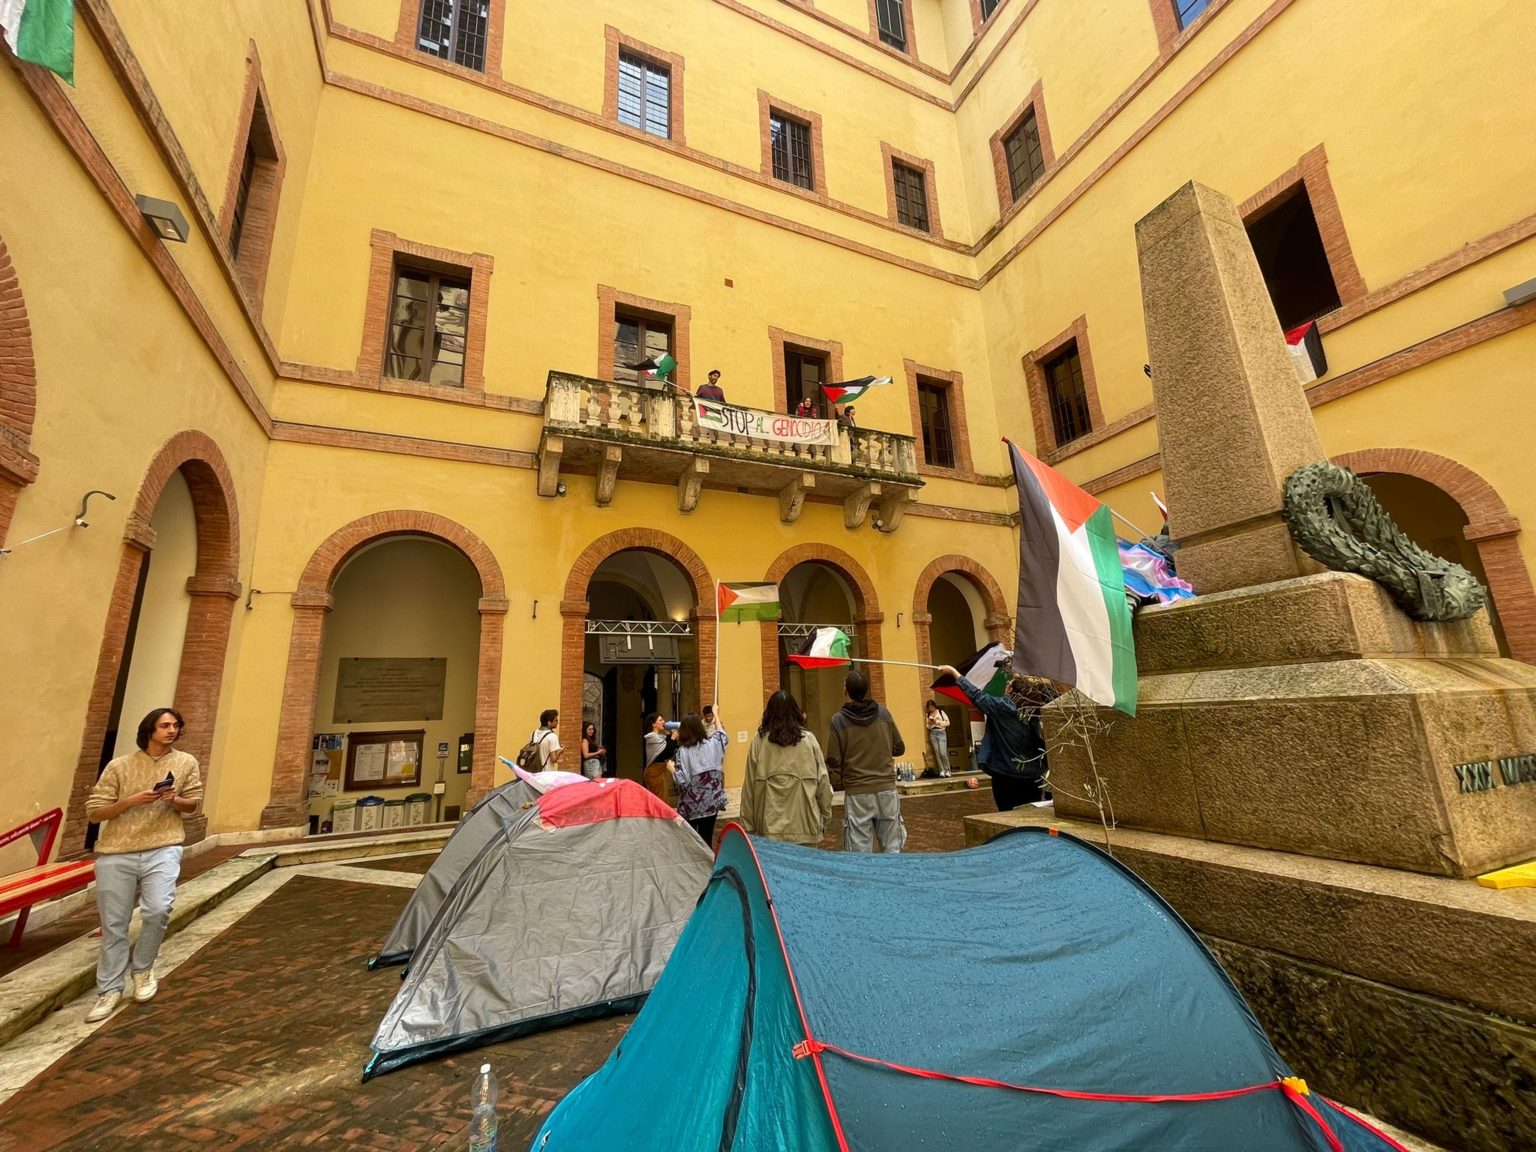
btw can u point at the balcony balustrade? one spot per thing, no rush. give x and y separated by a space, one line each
653 434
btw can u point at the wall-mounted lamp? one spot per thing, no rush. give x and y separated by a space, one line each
560 488
1520 293
164 217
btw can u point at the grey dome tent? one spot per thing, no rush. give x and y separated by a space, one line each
480 824
569 913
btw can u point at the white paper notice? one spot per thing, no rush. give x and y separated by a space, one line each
369 762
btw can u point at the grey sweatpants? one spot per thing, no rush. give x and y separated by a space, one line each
871 815
124 879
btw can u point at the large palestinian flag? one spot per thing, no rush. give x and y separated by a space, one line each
1074 625
748 602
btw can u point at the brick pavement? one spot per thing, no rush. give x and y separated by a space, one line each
258 1041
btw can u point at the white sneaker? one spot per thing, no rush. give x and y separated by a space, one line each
105 1004
145 985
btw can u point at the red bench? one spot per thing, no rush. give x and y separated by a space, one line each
20 890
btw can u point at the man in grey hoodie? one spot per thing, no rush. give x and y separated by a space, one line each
862 746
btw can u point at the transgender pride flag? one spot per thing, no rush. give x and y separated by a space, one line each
1074 625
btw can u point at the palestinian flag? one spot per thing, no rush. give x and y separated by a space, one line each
747 602
828 648
1306 345
988 669
1074 625
41 32
850 390
651 368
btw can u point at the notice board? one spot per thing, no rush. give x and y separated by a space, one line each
374 689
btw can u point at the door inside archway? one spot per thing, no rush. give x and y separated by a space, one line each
640 646
1433 520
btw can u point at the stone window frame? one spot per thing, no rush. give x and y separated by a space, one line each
1310 173
978 21
1040 394
778 339
1034 102
616 42
406 34
767 105
680 316
891 155
959 429
908 29
386 249
259 223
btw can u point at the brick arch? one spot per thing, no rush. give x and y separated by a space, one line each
18 392
312 600
574 608
213 589
997 621
866 611
1491 529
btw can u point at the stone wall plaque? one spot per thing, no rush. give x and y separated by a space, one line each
389 688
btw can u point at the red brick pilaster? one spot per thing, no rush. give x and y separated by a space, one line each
288 805
18 393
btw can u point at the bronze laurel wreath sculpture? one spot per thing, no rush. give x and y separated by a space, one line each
1425 586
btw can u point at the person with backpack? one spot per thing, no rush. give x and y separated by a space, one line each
543 748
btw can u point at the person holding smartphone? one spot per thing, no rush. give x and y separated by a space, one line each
143 800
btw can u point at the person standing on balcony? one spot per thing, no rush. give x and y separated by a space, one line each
712 390
806 409
845 418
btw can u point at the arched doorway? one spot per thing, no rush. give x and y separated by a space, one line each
638 635
1444 506
641 650
167 630
820 586
312 661
957 607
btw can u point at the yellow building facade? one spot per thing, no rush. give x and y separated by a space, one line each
375 407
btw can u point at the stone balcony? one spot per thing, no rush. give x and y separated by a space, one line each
621 431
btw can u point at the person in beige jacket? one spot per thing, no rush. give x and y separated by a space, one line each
787 794
142 800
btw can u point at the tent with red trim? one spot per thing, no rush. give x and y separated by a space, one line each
1028 994
568 913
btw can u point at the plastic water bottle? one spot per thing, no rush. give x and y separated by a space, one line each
482 1120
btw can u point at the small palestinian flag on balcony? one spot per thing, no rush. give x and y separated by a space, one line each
1306 345
850 390
656 368
827 648
748 602
988 669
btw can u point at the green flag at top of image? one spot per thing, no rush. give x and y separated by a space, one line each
41 32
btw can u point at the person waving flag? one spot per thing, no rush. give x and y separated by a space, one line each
1074 625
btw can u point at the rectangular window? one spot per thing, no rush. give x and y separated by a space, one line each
805 372
428 325
1187 11
1026 158
645 95
893 26
1291 255
455 30
791 144
911 195
636 338
1068 395
243 195
933 414
987 8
